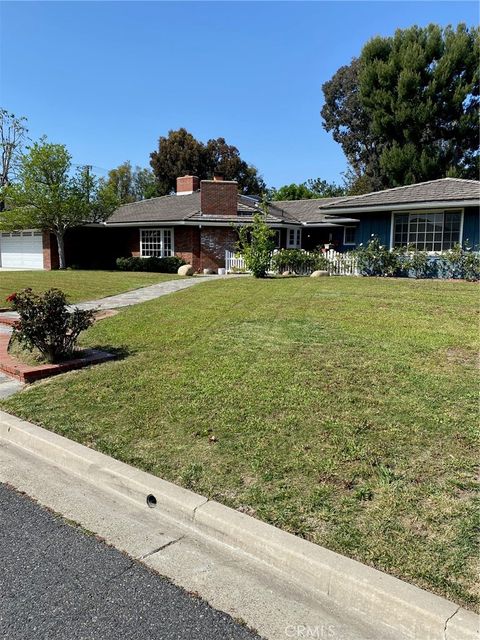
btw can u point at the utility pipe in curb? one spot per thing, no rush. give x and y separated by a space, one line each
377 597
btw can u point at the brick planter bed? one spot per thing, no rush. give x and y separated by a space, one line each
30 373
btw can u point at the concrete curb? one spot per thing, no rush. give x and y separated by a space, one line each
364 592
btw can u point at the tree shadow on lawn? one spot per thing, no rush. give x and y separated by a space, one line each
118 352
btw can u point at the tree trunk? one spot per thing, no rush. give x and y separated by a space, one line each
60 236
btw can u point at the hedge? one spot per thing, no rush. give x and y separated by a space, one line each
157 265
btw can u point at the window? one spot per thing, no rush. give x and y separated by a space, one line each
432 231
277 238
294 238
349 235
156 243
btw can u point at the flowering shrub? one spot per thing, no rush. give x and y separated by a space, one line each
375 259
420 264
46 323
471 266
298 261
460 263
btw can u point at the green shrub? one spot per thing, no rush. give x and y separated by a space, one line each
375 259
156 265
256 243
471 265
46 323
298 261
421 264
460 263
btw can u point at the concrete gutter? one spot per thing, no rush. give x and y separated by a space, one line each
360 591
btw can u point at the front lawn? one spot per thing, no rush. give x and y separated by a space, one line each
78 285
343 410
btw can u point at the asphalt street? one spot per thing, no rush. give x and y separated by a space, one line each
60 582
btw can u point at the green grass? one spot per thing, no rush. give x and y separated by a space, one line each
78 285
344 411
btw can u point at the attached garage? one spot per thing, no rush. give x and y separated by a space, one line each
21 250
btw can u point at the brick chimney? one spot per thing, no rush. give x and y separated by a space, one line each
218 197
187 184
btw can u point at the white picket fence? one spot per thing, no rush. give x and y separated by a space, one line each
339 264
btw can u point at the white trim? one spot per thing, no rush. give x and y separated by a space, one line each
379 208
345 243
162 229
188 223
436 210
298 238
392 218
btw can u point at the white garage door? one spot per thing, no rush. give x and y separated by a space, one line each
21 250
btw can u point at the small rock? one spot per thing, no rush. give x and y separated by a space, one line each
185 270
208 272
319 274
287 273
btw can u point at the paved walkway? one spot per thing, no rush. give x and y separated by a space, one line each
146 293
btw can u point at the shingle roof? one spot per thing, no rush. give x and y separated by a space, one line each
442 190
162 209
187 207
303 210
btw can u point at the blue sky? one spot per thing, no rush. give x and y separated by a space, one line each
108 78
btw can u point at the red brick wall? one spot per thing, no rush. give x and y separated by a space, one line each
187 183
219 197
186 244
214 241
50 251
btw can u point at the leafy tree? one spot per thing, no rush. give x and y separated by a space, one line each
180 153
131 185
407 110
47 196
307 190
291 192
256 242
13 135
120 180
144 184
345 116
323 189
225 159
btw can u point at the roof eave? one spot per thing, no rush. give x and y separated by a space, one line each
333 222
431 204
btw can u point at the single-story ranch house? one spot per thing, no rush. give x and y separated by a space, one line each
198 224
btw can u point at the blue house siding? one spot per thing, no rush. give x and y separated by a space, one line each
471 226
377 224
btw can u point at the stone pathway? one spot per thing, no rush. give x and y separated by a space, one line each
146 293
9 386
